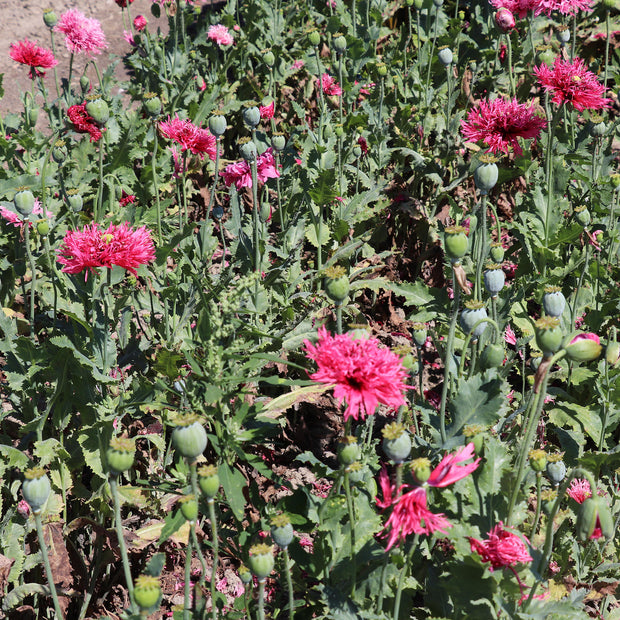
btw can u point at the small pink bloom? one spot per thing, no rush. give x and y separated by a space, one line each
189 136
23 508
267 111
129 37
298 64
509 335
82 34
588 336
330 86
505 20
220 35
502 548
451 468
139 23
579 490
37 58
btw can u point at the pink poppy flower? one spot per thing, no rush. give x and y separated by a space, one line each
240 173
518 7
451 468
499 123
220 35
364 373
579 490
82 34
502 548
83 122
91 248
37 58
564 7
267 111
330 86
298 64
139 23
571 82
509 335
189 136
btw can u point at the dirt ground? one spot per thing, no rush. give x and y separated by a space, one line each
21 19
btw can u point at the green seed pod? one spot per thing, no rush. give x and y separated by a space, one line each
247 149
497 252
269 59
420 470
582 215
217 124
23 201
152 104
36 488
189 508
538 460
278 142
553 301
340 44
556 471
494 279
265 211
535 360
59 151
420 333
251 114
244 574
43 227
473 312
445 56
476 434
282 531
549 335
348 450
545 54
261 561
208 480
486 174
612 350
314 38
98 109
75 200
492 356
50 19
563 34
120 455
189 437
396 442
147 592
336 283
455 242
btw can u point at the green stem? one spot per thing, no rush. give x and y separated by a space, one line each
549 169
574 306
155 181
481 234
33 270
187 584
511 76
215 542
607 40
55 69
261 599
601 441
289 584
99 202
52 267
216 174
339 318
321 96
121 540
255 214
401 579
46 563
449 354
538 504
347 491
535 411
430 58
354 17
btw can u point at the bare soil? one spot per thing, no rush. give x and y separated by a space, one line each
21 19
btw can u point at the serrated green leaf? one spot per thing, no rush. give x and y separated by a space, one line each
233 484
173 522
577 417
312 237
480 400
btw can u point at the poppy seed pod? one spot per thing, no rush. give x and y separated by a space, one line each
336 283
152 104
486 174
396 442
189 437
494 279
445 56
492 356
497 252
582 215
261 560
548 335
455 242
217 124
556 471
420 333
23 201
348 450
553 301
146 592
251 114
120 455
282 531
473 312
36 488
98 109
247 149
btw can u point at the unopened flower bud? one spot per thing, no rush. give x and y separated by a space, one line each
505 20
476 434
84 84
584 348
492 356
594 520
269 59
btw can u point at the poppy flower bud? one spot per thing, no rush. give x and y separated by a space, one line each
268 58
314 38
261 560
146 592
36 488
505 20
548 335
282 531
120 455
340 44
584 348
396 442
594 520
189 437
84 84
492 356
545 54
